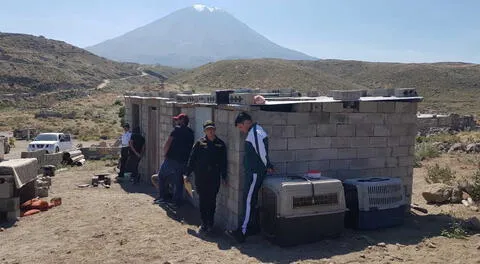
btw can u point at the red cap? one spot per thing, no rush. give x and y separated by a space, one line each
180 116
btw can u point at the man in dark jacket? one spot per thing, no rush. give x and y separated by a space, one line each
177 151
256 164
208 160
136 144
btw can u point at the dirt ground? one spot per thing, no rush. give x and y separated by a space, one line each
121 225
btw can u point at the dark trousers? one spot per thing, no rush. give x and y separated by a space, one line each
171 171
249 216
132 166
123 160
207 194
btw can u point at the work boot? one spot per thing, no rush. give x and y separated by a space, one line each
237 235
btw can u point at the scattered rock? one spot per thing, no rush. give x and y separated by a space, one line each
466 187
102 144
457 147
431 245
464 202
465 195
363 255
473 148
442 146
474 208
438 193
381 244
2 229
473 223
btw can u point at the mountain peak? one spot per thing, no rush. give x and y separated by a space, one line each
202 8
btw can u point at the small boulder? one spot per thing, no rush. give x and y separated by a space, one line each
439 193
457 147
473 148
473 223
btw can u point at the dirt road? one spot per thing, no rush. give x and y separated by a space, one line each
121 225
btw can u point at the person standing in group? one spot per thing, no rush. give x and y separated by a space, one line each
125 139
177 151
208 160
136 144
257 165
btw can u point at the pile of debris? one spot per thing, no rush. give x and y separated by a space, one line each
35 206
73 158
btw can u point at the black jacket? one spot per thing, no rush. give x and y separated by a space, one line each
208 160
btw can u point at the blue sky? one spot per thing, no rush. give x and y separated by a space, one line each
372 30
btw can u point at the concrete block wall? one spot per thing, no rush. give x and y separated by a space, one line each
344 140
341 139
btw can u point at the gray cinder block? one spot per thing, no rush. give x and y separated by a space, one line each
298 143
368 107
347 153
340 164
405 92
298 118
364 130
282 156
333 107
345 130
381 131
319 118
326 130
347 95
305 130
386 107
320 142
381 92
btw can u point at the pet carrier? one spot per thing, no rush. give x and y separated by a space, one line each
374 202
298 210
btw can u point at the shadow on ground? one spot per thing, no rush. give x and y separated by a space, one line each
415 229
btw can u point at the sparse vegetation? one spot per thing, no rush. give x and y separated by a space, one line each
437 174
425 150
121 115
455 230
475 193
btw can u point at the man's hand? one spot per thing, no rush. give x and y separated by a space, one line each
185 178
271 170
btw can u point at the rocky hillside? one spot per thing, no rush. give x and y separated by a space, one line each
446 86
33 64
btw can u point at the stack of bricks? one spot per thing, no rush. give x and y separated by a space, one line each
229 197
372 138
9 203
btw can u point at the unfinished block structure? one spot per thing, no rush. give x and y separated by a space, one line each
343 138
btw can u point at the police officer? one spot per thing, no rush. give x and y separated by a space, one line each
208 160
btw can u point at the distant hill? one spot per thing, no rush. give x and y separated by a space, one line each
36 64
445 86
191 37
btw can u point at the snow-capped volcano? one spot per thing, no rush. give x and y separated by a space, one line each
191 37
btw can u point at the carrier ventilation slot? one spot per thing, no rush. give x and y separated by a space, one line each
324 199
385 200
384 189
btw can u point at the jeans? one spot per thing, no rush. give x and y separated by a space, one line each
171 171
123 161
132 167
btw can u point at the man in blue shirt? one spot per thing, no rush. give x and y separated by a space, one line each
177 151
